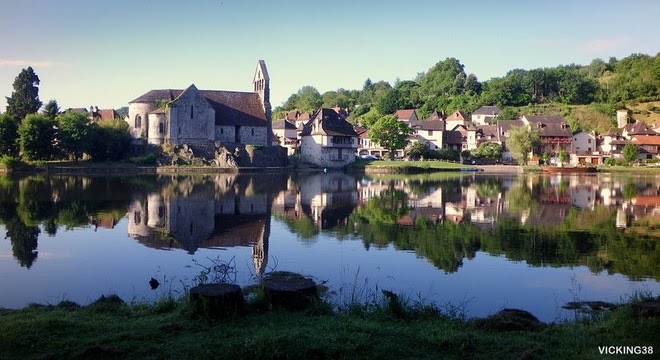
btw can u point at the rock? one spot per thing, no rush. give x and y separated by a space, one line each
589 306
510 320
217 300
289 290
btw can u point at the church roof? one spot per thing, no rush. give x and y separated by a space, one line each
231 107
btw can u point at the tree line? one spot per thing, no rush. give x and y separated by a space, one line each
446 86
51 134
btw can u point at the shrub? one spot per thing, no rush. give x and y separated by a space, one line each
149 159
9 162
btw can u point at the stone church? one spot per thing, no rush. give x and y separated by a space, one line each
203 117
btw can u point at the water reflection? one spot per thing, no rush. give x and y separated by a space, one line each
604 223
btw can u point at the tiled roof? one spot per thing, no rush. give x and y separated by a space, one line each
283 124
646 140
550 125
453 137
487 110
457 115
330 123
231 107
640 128
436 116
107 114
405 114
431 125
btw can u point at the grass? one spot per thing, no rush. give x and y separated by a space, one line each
168 330
397 165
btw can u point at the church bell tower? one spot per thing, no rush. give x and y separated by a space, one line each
261 84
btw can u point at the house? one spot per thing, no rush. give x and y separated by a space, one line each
287 135
485 115
611 144
430 132
555 133
637 128
585 149
457 118
408 116
328 140
366 146
201 117
648 146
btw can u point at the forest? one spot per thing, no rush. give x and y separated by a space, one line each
604 85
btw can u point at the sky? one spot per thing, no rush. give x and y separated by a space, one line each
107 53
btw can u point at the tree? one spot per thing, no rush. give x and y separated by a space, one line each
8 136
389 103
309 99
489 150
73 134
562 156
630 152
24 99
472 85
390 133
111 140
521 142
51 109
36 137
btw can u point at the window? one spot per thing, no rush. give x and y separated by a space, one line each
191 111
161 128
252 132
589 141
138 121
222 131
137 216
430 132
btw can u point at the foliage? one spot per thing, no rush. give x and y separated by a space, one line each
51 109
562 156
37 137
630 152
9 162
390 133
110 140
8 136
418 150
24 99
389 103
73 134
308 99
148 159
489 150
521 142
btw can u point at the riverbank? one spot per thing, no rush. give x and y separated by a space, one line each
110 329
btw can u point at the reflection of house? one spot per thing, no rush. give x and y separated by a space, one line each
328 140
328 199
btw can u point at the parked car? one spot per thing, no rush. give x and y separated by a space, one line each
368 157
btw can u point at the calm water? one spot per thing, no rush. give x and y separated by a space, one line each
478 242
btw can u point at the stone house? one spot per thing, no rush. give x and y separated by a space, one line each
202 117
328 140
585 149
555 136
648 146
457 118
611 144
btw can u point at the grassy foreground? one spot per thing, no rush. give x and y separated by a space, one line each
168 330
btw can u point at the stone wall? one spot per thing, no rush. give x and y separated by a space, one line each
142 110
327 157
192 119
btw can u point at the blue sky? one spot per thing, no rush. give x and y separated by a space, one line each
106 53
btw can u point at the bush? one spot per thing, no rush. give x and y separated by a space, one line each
149 159
9 162
610 162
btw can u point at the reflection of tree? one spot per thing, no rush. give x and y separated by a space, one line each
386 208
629 190
23 241
302 226
520 200
489 188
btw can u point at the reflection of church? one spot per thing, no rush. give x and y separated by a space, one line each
212 212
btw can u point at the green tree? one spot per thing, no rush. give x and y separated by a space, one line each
389 103
110 140
36 136
73 134
51 109
390 133
8 136
521 142
489 150
472 85
308 99
630 152
24 99
563 156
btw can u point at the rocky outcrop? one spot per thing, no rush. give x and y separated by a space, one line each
224 155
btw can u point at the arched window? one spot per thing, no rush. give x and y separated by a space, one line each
191 112
252 132
138 121
161 128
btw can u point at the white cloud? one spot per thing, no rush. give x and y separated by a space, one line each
33 63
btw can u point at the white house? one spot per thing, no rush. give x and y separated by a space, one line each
485 115
328 140
287 135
